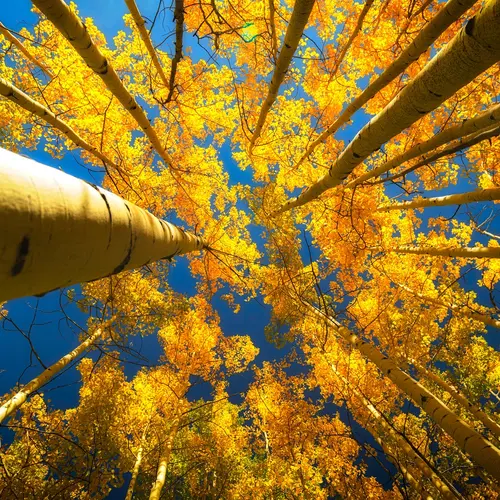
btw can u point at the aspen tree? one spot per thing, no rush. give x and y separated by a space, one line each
26 102
15 402
460 399
410 453
272 25
136 469
462 311
354 34
135 474
17 43
446 16
164 460
442 201
485 120
473 50
72 28
300 15
160 480
479 448
179 34
468 252
456 147
57 230
141 27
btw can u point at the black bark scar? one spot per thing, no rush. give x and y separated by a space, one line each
469 27
126 260
103 196
22 251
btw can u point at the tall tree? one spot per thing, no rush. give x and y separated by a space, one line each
69 213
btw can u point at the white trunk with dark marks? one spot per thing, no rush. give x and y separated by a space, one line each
425 38
17 43
26 102
490 194
474 409
478 447
72 28
300 15
467 252
16 401
143 32
482 122
56 230
473 50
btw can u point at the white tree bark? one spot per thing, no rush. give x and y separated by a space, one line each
473 50
56 230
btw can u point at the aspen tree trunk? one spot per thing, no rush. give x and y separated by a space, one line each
415 459
415 485
483 318
162 468
300 15
72 28
135 472
179 34
16 401
473 50
460 399
485 120
468 252
56 230
354 34
478 447
458 146
26 102
448 14
17 43
143 32
160 480
441 201
496 395
272 24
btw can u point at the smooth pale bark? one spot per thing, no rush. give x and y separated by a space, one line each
20 397
441 201
478 447
56 230
17 43
409 452
485 120
135 473
72 28
143 32
162 467
460 399
26 102
300 15
468 252
473 50
456 147
415 485
448 14
483 318
160 480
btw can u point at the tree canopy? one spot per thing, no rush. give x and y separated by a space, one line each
328 168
